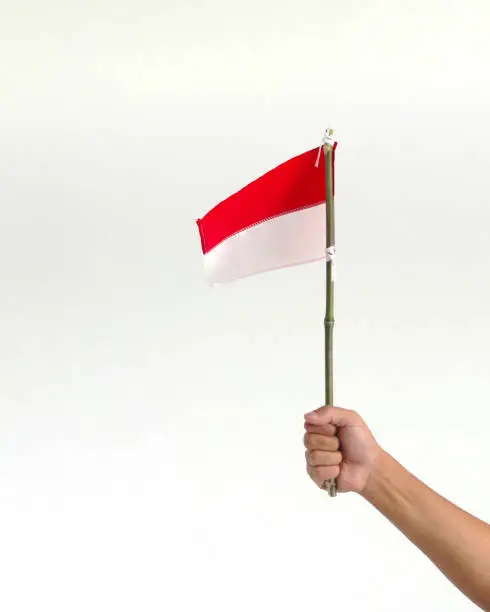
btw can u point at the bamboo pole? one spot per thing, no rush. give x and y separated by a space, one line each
329 485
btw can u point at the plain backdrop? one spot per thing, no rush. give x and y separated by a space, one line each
151 427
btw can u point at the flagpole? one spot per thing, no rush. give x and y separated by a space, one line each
329 485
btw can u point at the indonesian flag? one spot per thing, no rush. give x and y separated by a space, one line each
277 221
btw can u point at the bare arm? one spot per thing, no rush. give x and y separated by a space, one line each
455 541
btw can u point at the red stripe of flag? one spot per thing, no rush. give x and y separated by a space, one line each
294 185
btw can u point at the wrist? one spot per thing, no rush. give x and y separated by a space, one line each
378 476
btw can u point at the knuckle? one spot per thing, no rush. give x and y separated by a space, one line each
313 441
330 443
314 457
324 458
330 458
322 442
323 430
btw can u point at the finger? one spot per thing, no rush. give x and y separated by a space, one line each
321 458
310 471
320 442
326 430
331 415
319 475
313 475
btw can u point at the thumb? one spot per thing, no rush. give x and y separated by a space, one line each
331 415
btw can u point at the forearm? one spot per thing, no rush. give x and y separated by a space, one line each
456 542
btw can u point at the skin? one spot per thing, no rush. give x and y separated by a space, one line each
340 445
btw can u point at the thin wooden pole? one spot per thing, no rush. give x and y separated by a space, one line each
329 485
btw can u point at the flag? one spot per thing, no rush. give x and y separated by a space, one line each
276 221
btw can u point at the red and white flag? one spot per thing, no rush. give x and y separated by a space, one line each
275 222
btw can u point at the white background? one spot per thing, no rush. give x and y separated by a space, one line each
151 427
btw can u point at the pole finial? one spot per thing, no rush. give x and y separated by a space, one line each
328 137
327 141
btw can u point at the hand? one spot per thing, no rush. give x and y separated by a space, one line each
340 445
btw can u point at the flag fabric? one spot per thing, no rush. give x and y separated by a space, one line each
276 221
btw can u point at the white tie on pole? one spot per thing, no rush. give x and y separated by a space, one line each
326 140
330 253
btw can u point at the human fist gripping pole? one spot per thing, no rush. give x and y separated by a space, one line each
339 445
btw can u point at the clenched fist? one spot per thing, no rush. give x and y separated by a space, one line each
339 445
